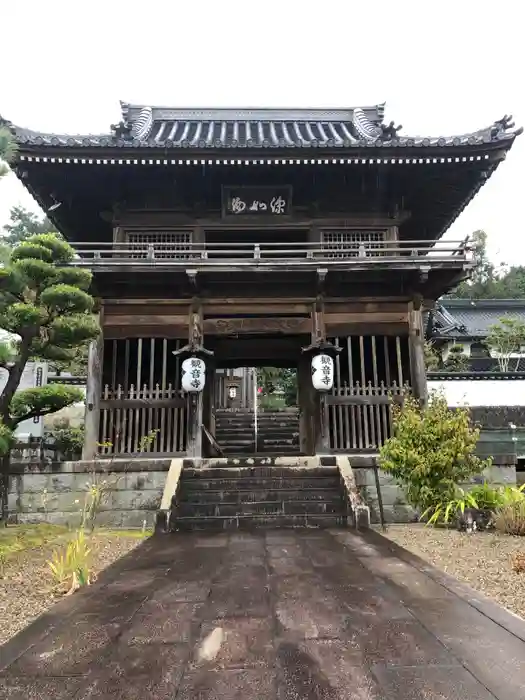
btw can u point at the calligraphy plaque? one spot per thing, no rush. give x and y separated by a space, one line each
247 200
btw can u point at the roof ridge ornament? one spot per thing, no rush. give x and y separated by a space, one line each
503 126
365 127
389 131
143 124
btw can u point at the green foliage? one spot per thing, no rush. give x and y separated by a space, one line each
431 451
23 224
456 360
447 509
489 281
71 567
68 440
8 149
6 439
487 497
431 357
43 400
278 380
48 306
506 338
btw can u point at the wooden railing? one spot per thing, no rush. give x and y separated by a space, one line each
117 255
152 420
360 416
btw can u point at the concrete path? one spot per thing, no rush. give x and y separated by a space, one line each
283 615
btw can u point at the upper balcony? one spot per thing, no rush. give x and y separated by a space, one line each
271 256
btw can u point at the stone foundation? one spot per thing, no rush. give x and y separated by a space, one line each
56 493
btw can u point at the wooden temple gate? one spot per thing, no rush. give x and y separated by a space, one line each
141 406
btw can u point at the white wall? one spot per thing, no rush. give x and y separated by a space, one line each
483 392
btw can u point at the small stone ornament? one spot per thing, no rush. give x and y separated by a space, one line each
322 372
193 374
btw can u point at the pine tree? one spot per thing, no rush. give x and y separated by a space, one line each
46 306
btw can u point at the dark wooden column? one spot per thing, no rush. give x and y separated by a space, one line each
93 395
195 400
314 429
306 403
194 444
416 342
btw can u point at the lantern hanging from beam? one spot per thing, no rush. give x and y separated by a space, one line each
193 374
322 372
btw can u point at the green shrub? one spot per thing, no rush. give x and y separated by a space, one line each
487 497
68 440
446 510
431 451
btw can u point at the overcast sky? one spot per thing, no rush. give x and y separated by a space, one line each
442 67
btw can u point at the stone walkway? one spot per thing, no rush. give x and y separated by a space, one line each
283 615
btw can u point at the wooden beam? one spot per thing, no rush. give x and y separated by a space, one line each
284 325
142 403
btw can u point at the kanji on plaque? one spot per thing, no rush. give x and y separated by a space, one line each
322 372
256 200
193 374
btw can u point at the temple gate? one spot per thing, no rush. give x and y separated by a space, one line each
308 239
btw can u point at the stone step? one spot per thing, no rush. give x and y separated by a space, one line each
185 495
231 510
255 484
233 469
248 522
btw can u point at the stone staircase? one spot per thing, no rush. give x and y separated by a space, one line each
259 492
277 432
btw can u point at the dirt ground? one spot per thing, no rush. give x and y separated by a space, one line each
482 559
27 588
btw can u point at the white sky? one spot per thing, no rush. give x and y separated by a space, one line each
442 67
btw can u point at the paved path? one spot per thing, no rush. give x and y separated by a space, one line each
282 615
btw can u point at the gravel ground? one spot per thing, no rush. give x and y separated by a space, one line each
27 588
482 559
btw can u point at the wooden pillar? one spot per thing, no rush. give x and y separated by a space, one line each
93 394
194 443
416 343
195 405
304 398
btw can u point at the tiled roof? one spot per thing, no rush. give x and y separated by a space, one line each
160 127
473 318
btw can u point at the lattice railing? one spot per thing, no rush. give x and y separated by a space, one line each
172 245
351 243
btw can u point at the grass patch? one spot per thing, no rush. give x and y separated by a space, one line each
131 534
17 538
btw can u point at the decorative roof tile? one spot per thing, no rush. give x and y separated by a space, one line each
160 127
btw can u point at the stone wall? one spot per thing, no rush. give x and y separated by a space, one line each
135 498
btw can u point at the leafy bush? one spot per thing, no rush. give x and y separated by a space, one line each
68 440
510 518
6 439
71 568
431 451
487 497
445 510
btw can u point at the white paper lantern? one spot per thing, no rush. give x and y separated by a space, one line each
193 374
322 372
